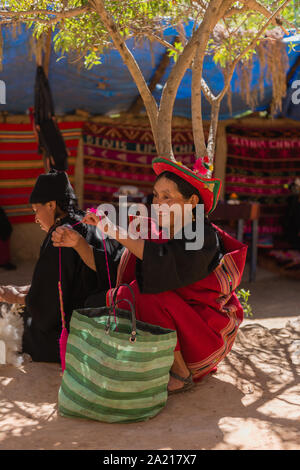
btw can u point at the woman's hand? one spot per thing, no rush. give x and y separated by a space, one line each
90 218
106 226
102 222
66 237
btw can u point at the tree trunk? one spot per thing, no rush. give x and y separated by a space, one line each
137 105
196 95
211 144
196 104
215 10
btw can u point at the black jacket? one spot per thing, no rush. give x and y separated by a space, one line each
42 313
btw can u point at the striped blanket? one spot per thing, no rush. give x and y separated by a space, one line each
260 163
20 165
122 155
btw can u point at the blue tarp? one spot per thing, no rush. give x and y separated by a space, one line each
108 88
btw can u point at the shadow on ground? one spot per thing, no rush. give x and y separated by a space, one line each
251 403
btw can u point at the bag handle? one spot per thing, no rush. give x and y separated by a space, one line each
123 285
132 338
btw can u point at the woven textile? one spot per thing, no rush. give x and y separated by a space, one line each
122 155
20 165
108 378
259 163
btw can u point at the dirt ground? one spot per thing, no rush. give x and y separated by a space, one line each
252 402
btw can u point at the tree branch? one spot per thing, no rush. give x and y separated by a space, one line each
196 96
199 84
215 101
202 4
215 11
212 134
207 91
129 60
257 7
158 74
22 16
250 45
163 42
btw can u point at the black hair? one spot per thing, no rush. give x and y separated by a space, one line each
184 187
68 206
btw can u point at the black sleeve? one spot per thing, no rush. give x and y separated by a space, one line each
169 266
42 300
5 226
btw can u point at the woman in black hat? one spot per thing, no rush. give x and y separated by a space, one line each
54 203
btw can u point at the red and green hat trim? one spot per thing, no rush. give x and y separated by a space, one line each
209 188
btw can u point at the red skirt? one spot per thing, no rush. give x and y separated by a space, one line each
204 335
205 315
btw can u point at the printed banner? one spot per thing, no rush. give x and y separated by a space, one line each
122 155
20 165
260 163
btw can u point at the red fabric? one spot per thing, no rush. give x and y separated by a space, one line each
206 315
21 165
261 163
114 153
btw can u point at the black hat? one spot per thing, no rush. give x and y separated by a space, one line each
52 186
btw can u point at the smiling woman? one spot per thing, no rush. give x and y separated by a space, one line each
187 290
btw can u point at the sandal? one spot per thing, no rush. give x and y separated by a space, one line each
188 383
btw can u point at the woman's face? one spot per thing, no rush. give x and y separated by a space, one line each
45 214
166 192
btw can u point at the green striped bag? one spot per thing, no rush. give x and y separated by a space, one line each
117 368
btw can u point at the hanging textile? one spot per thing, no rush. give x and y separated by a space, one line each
51 142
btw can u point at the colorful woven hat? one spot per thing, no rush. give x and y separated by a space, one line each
209 188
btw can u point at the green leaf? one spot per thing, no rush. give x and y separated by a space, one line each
243 296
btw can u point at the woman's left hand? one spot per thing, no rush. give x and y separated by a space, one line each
90 218
102 222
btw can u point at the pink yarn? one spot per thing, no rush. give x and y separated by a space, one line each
63 347
107 267
64 333
92 209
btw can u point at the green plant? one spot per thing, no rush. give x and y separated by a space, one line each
243 296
